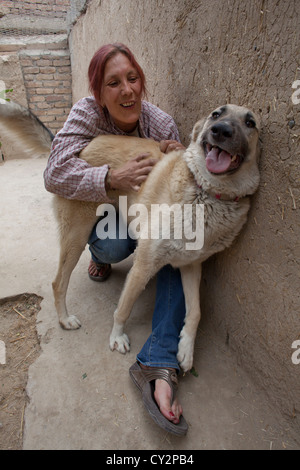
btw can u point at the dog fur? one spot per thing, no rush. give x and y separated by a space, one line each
180 177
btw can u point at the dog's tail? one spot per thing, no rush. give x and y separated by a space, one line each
22 127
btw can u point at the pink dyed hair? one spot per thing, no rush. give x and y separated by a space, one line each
98 63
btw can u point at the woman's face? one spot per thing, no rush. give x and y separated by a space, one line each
122 92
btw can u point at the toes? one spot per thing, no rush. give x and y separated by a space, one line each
162 395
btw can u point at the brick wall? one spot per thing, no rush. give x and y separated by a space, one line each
53 8
47 78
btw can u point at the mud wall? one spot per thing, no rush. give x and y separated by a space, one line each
53 9
40 80
35 61
198 55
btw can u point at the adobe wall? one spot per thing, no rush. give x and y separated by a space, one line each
53 9
41 81
35 61
198 55
48 82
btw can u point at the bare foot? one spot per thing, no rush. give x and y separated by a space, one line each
93 268
163 395
102 273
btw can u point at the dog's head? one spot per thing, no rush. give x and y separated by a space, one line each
227 143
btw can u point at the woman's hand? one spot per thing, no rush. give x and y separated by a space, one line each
132 174
167 146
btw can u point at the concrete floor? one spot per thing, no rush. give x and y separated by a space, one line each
80 393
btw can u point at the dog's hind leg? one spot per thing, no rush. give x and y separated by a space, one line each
141 272
69 257
191 277
73 240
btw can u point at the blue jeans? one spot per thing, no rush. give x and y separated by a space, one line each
160 349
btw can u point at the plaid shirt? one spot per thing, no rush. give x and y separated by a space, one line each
73 178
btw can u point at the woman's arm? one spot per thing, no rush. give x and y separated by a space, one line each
73 178
66 174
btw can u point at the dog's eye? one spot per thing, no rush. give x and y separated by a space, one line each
250 123
216 114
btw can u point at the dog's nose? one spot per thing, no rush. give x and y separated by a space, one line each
221 131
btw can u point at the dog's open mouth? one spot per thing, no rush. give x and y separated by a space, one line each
219 161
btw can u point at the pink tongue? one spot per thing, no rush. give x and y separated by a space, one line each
218 162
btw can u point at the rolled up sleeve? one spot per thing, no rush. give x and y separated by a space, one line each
68 175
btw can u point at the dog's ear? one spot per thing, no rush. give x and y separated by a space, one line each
197 129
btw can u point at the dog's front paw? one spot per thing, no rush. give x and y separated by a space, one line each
70 323
120 343
185 353
119 340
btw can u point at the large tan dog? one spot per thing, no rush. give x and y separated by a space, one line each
219 170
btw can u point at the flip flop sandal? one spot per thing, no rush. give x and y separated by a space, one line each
143 379
101 267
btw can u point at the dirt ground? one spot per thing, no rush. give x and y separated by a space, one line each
18 332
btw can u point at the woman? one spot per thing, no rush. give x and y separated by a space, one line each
117 107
